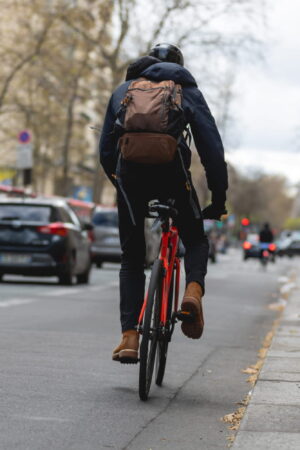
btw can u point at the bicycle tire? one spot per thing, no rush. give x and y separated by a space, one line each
150 331
163 342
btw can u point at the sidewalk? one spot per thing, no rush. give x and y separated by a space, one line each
272 419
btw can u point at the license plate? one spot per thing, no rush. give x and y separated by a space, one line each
112 241
13 258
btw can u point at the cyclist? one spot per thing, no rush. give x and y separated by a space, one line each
142 182
266 235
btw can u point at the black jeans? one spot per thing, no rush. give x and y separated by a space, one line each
141 185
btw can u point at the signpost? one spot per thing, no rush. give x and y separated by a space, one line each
24 156
24 137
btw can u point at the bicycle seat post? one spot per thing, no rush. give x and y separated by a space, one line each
163 212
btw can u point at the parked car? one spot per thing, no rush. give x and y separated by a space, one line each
83 210
106 245
289 244
12 191
43 237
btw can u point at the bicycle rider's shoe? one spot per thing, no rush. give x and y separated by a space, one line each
127 351
191 303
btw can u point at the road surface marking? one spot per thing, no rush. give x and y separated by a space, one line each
62 292
71 291
41 418
16 302
97 288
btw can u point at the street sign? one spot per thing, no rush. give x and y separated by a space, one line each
24 137
24 156
83 193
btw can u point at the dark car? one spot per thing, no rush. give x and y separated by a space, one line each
253 248
43 237
106 245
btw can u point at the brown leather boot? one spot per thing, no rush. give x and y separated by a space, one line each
127 351
192 303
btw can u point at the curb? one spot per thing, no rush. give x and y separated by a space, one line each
272 418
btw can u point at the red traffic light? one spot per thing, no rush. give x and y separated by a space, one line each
245 222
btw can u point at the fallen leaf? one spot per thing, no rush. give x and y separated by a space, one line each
258 365
276 306
250 370
262 352
228 418
252 379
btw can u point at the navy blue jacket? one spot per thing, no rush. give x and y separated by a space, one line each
205 133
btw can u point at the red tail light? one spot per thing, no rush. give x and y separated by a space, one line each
56 228
265 253
272 247
91 235
247 245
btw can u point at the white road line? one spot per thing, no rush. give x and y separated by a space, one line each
16 302
41 418
72 291
56 293
98 288
62 292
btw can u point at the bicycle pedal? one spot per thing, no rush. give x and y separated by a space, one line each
185 316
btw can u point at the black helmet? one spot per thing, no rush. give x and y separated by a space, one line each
167 53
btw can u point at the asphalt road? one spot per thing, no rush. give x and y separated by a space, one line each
59 389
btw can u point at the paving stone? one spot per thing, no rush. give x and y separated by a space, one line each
292 316
286 342
291 323
287 330
248 440
277 393
272 417
275 404
294 353
281 369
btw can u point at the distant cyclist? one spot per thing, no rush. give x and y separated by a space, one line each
266 235
152 162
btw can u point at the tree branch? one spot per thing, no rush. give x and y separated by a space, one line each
23 62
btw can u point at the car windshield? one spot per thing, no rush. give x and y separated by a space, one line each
30 213
106 218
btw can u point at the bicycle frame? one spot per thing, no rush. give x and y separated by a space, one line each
171 263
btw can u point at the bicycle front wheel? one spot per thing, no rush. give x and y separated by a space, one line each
150 331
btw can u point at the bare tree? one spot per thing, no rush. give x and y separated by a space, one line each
260 197
57 81
54 87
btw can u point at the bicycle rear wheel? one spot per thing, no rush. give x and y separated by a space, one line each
163 342
150 331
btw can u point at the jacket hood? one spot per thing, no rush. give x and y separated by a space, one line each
169 71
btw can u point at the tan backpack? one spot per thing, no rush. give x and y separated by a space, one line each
152 120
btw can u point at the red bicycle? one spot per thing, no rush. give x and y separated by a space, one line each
160 312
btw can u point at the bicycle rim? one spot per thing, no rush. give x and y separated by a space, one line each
163 343
150 331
